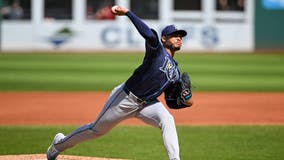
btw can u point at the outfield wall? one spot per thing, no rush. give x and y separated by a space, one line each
269 24
209 29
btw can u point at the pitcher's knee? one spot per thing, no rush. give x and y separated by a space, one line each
167 120
98 131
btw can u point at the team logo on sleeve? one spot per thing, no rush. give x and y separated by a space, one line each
170 69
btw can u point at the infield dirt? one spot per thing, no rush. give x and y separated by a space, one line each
49 108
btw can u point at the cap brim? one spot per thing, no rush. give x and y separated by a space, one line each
181 32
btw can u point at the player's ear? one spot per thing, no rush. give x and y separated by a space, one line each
163 39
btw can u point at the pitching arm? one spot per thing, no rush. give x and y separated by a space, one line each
142 28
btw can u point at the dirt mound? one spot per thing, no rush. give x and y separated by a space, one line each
43 157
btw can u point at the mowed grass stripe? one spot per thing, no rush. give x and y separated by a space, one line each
101 72
144 143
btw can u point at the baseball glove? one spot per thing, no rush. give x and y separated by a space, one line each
184 89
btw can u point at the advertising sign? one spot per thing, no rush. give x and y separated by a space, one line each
273 4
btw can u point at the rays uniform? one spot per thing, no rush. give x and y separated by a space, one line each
137 97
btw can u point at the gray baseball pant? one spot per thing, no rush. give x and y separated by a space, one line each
119 107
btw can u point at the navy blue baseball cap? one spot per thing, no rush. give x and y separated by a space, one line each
170 29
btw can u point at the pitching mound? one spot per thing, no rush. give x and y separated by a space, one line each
43 157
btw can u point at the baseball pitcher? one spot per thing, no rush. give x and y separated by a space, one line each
137 96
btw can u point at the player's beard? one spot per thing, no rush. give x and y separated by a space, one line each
172 46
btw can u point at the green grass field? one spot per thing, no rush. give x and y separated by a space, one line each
101 72
196 142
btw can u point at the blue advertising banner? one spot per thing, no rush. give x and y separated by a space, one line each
273 4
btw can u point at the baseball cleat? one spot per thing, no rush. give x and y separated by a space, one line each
52 152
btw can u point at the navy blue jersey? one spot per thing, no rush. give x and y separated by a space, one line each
158 70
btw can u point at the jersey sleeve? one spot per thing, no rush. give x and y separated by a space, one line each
146 32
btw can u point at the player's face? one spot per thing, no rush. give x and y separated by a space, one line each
173 42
